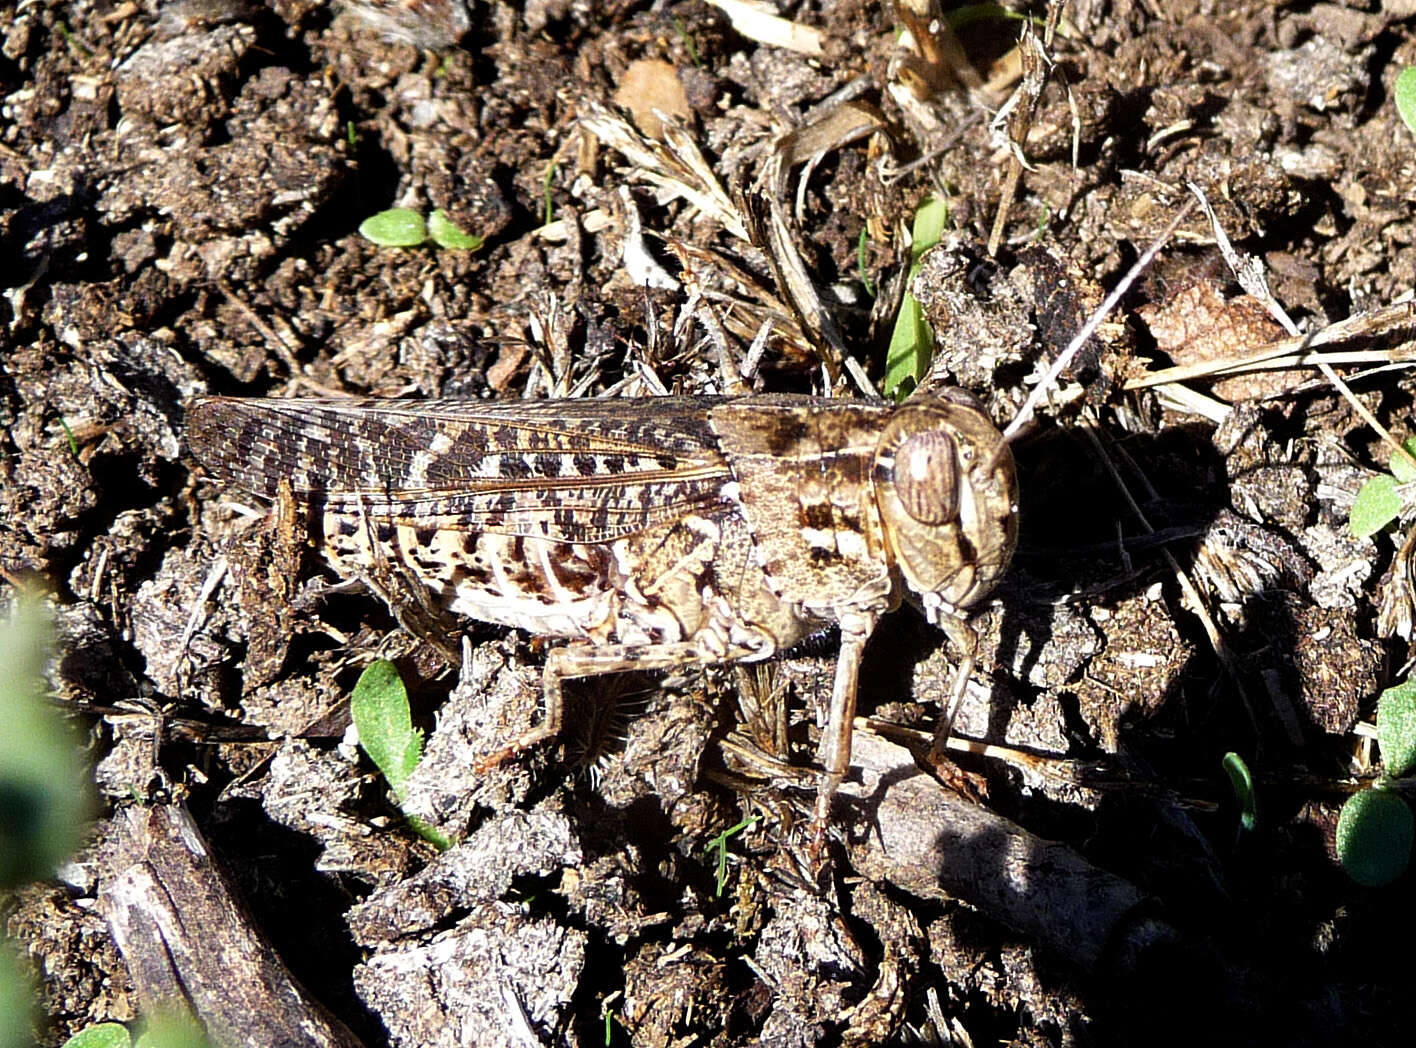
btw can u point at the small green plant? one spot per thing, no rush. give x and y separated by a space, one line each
607 1013
719 844
549 211
384 721
404 227
101 1035
44 804
173 1027
1404 92
1375 828
912 341
75 44
1383 498
1243 783
69 433
865 280
15 1015
960 17
688 44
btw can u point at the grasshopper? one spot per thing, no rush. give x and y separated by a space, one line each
649 533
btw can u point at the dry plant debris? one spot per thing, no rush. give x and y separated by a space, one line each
180 186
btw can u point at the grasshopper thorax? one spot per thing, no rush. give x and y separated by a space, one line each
947 493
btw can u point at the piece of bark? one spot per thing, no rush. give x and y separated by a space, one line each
935 844
186 937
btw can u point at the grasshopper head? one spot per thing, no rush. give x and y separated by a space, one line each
947 492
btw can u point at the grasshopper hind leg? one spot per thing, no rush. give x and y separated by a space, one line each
582 659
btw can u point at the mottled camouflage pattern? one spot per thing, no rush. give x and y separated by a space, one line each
647 532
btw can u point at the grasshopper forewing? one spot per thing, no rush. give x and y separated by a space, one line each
649 533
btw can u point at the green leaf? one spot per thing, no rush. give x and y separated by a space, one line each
15 996
865 280
1374 834
445 233
929 223
173 1026
397 227
430 833
720 845
44 805
381 715
102 1035
1405 94
548 210
912 340
1376 506
1243 784
1396 728
1400 468
911 343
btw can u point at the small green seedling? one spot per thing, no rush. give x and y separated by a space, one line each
687 40
552 169
172 1027
720 845
865 280
1243 783
446 234
44 805
75 44
69 433
1385 497
608 1008
404 227
1376 828
1374 834
1404 92
169 1026
912 341
960 17
384 721
101 1035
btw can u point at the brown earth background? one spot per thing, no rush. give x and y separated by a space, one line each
180 190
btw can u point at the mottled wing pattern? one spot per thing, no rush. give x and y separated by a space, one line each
569 471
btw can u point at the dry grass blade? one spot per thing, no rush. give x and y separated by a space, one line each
678 167
1249 271
1048 381
1197 603
942 61
758 22
808 145
773 236
1394 321
675 165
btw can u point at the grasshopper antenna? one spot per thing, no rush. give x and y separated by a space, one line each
962 633
1045 385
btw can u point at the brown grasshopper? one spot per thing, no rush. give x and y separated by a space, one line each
650 533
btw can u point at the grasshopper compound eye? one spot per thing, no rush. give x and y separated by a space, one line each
927 477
